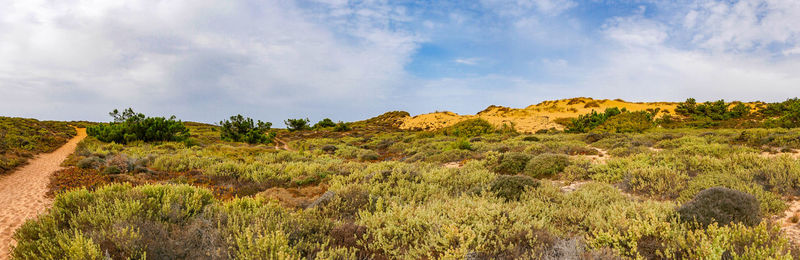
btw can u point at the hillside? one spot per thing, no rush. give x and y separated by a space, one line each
534 117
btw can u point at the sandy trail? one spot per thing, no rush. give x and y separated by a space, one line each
22 192
281 145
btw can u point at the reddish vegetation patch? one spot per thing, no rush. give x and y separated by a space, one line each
295 197
74 177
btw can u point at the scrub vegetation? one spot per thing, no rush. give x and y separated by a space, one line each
22 138
705 183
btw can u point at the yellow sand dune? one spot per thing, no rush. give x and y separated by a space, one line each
533 117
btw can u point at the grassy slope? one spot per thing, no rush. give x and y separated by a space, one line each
21 138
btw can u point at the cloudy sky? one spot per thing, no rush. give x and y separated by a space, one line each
348 60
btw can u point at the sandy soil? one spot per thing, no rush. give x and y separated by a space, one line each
790 226
281 145
22 192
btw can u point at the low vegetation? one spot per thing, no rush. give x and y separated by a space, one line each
621 185
22 138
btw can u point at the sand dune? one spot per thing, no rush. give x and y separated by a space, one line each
533 117
22 193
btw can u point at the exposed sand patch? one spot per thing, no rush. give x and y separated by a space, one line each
455 165
22 192
795 154
790 225
600 158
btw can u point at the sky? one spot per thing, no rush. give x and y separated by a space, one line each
349 60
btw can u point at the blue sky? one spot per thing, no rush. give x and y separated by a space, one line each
349 60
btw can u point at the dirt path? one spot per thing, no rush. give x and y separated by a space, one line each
22 192
281 145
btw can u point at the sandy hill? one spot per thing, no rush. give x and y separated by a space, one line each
534 117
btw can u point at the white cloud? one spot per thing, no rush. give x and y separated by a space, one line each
155 54
467 61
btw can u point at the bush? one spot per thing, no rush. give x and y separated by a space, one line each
342 127
545 165
469 128
89 163
327 122
131 126
510 187
512 163
530 138
368 155
297 124
241 129
587 122
721 205
462 144
627 122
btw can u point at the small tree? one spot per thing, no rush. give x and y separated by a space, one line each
297 124
327 122
241 129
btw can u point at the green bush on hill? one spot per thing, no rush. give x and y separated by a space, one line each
241 129
296 124
327 122
130 126
587 122
469 128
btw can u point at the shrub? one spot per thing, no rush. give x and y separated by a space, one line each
545 165
512 163
112 170
627 122
89 162
530 138
510 187
131 126
368 155
327 122
297 124
469 128
342 127
721 205
241 129
587 122
462 144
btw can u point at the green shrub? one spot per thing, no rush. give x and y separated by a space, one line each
342 127
512 163
587 122
241 129
510 187
368 155
297 124
327 122
723 206
530 138
131 126
462 144
469 128
627 122
546 165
